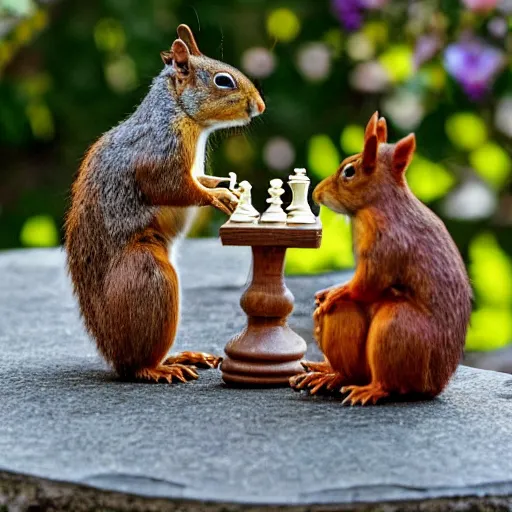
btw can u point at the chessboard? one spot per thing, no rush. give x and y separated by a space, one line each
268 352
303 236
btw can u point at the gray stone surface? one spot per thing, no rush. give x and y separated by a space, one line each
65 418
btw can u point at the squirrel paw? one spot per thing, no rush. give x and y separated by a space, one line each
327 299
199 359
167 373
321 295
363 394
316 381
224 200
317 366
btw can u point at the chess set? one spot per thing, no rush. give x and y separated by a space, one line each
268 352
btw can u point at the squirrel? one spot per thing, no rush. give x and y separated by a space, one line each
399 326
132 202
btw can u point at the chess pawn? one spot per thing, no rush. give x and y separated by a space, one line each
274 212
299 211
245 211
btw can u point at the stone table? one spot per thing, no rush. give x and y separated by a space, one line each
73 437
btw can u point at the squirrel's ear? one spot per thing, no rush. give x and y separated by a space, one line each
403 153
180 56
186 35
371 127
371 146
166 57
382 130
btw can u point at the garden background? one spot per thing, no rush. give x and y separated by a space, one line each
69 70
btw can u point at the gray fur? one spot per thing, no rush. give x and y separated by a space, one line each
146 132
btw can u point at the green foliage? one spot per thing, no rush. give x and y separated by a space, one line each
17 7
335 251
428 180
466 130
39 231
492 162
352 139
323 157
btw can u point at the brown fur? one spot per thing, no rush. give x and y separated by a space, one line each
399 326
131 203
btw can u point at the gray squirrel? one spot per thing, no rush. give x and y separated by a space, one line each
132 201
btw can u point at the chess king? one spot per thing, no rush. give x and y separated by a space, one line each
133 200
399 326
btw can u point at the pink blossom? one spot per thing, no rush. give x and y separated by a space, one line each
480 5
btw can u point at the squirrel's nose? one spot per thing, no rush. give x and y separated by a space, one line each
317 195
258 106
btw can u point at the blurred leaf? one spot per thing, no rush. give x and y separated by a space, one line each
434 76
334 39
41 120
6 52
121 74
17 7
490 329
36 85
466 130
429 181
377 32
352 139
109 35
397 61
39 231
334 254
323 157
283 24
492 163
239 150
491 271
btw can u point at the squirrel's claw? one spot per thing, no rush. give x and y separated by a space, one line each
317 366
363 394
198 359
224 200
316 381
167 373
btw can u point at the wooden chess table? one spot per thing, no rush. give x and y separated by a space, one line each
267 352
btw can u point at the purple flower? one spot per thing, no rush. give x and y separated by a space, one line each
349 12
426 48
474 65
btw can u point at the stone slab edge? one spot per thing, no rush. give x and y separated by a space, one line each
30 493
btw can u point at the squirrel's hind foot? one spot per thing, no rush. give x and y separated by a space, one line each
167 373
315 381
199 359
363 394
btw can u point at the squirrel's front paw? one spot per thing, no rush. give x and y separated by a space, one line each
332 296
224 200
321 295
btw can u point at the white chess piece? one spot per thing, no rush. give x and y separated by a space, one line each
245 211
232 181
299 211
274 212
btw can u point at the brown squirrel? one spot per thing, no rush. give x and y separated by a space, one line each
131 204
399 326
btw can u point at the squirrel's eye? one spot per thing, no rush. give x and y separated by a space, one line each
224 81
349 171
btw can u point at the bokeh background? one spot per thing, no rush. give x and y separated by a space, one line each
71 69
